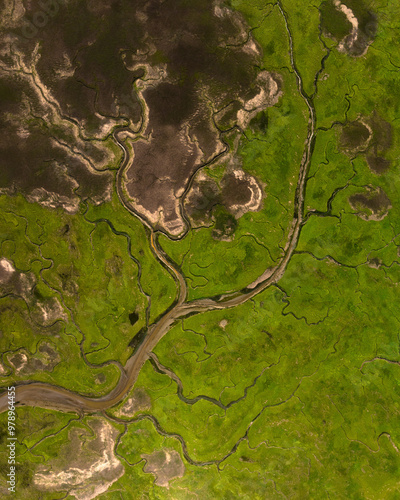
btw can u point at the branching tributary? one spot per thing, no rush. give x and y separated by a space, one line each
54 397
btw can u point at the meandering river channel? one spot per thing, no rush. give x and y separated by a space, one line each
57 398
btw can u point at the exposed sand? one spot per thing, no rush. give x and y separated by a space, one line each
165 464
91 468
6 270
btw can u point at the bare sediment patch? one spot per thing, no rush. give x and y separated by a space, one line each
86 466
222 202
374 263
18 361
241 192
356 136
151 67
161 168
11 13
13 281
348 42
165 464
370 136
200 201
381 142
50 310
270 85
139 401
223 323
6 270
378 164
54 200
203 75
24 284
266 274
50 165
26 363
43 311
372 204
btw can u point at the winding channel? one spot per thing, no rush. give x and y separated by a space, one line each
57 398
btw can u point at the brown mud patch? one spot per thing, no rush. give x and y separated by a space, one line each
202 75
18 361
378 164
43 312
241 192
374 263
372 204
6 270
86 465
355 136
163 69
139 401
165 464
221 202
382 140
371 136
25 363
49 164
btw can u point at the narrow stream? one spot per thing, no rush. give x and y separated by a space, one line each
58 398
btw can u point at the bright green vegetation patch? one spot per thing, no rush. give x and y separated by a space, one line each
271 34
321 398
348 241
308 50
336 94
142 438
213 267
256 358
274 157
36 320
77 287
35 424
330 170
204 353
155 280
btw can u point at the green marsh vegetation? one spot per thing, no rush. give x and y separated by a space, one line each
293 393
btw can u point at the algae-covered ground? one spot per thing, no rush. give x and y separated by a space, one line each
294 393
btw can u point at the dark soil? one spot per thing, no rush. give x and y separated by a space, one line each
91 54
133 317
34 160
382 138
260 122
354 135
378 164
200 205
4 275
376 201
235 191
138 339
165 464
